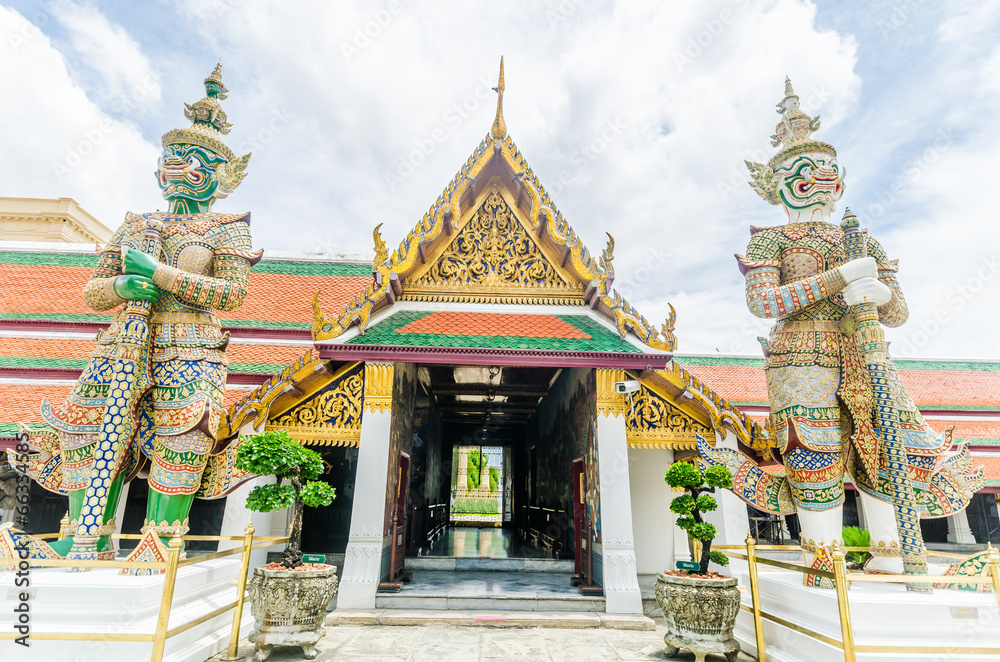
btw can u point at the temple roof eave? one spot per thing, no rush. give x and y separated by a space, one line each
490 356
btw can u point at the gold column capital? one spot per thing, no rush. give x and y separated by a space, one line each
378 386
609 401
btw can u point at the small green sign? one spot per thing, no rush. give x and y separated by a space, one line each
688 565
321 558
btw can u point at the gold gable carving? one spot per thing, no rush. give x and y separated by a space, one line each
494 259
651 421
332 417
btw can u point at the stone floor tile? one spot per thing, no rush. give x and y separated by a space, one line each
381 640
456 651
449 635
514 645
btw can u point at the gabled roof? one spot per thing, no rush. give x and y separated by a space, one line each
494 237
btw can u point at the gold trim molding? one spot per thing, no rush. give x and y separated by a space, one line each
331 417
609 401
378 387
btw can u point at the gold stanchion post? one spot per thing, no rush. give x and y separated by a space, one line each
840 580
173 558
241 587
994 558
758 624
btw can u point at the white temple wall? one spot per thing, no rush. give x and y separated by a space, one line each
652 522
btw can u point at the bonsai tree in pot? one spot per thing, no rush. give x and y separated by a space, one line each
700 607
689 507
290 600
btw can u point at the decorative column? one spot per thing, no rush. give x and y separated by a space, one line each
959 531
363 558
621 584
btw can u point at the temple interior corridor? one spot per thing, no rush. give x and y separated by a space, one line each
481 543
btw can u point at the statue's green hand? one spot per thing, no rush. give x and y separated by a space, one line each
136 287
139 263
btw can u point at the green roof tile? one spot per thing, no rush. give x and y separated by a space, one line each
601 340
265 266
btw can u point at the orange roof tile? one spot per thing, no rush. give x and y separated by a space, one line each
968 429
929 388
45 289
258 355
48 348
21 403
991 467
494 325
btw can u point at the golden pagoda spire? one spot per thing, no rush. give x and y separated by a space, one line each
499 128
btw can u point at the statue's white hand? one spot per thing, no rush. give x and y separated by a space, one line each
861 268
867 290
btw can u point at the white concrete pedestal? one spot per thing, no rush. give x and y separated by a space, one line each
102 601
882 615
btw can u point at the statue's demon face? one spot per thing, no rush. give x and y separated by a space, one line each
189 172
809 180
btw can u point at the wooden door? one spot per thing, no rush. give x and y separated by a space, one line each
580 543
399 519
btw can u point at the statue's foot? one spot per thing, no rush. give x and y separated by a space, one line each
62 547
13 544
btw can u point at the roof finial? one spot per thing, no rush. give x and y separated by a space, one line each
499 128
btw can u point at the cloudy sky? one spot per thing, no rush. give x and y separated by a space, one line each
636 116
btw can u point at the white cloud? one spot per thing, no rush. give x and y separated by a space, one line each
58 142
635 115
124 78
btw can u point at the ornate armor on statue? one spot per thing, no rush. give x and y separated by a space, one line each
827 369
151 396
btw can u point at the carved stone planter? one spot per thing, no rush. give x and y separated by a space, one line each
289 607
700 614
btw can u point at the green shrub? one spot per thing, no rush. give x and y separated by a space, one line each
274 453
689 507
857 537
475 506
